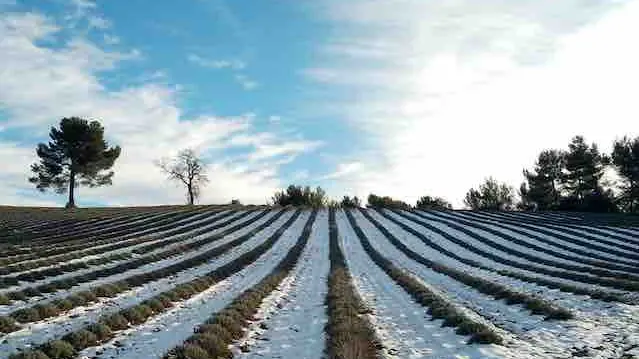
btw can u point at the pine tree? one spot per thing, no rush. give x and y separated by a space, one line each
625 158
76 155
542 188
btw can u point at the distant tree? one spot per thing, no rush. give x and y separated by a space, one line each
295 195
541 190
77 154
491 195
348 202
236 202
428 202
584 168
581 178
188 169
386 202
625 159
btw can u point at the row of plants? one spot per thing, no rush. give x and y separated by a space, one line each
570 227
596 243
349 334
58 306
592 268
536 305
594 293
62 237
70 267
213 338
439 307
603 261
614 282
88 242
107 326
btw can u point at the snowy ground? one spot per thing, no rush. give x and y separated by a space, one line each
43 331
295 315
169 329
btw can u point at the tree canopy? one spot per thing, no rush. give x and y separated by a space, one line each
542 188
188 169
77 154
432 203
625 159
296 195
491 195
386 202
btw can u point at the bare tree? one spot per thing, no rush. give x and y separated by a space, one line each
187 168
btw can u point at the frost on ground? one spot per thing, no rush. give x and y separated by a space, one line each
292 319
155 337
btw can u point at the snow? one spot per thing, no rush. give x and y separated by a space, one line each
43 331
295 314
145 341
404 327
608 257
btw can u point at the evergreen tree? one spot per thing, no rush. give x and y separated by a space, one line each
584 168
541 190
430 203
348 202
76 155
625 158
491 195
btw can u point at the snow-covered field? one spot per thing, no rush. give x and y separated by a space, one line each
290 322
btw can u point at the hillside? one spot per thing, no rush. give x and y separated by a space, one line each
259 282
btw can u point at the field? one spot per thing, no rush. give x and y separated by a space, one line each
259 282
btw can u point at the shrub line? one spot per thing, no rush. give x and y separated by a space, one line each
349 334
56 307
213 337
498 291
104 330
597 294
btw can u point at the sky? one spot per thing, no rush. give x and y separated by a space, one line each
394 97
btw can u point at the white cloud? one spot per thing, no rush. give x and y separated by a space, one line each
42 84
344 170
447 93
246 82
215 64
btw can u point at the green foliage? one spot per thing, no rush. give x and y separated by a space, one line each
348 202
386 202
430 203
76 155
541 190
300 196
31 354
59 349
625 159
491 195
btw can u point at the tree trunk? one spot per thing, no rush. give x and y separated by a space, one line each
190 188
71 203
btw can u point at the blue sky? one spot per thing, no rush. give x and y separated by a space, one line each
402 98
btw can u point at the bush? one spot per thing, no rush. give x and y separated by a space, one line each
192 351
134 315
63 304
7 325
31 354
386 202
46 310
433 203
300 196
26 315
155 305
115 322
101 331
59 349
81 339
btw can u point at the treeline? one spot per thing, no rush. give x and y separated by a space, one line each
560 180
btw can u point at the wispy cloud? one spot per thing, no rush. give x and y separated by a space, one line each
344 170
246 82
144 119
446 93
215 64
